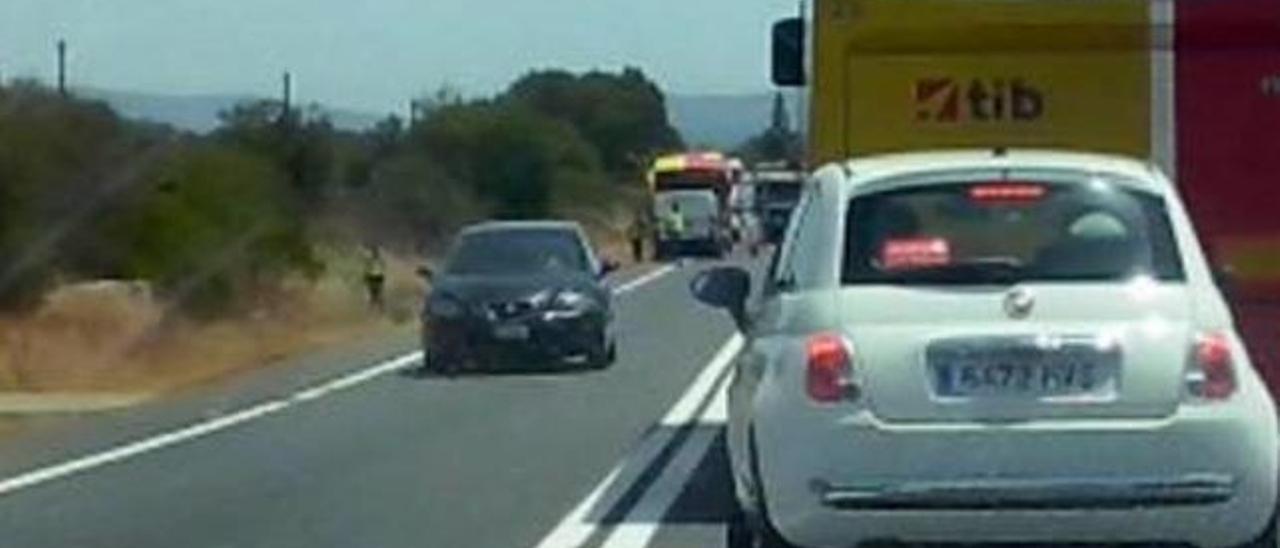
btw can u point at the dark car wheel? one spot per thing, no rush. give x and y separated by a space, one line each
740 533
437 364
603 353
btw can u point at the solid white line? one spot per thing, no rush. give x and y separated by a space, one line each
683 411
198 430
139 447
581 522
205 428
636 283
644 520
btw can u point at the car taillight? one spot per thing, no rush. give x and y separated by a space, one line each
1212 374
830 368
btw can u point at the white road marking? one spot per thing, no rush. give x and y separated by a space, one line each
205 428
136 448
584 520
649 277
200 429
644 520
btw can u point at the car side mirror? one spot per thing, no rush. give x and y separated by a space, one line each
727 288
1226 279
788 52
609 266
426 273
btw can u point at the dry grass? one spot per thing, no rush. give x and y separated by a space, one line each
606 220
111 336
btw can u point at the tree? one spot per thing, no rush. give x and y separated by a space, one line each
508 154
781 119
210 224
60 160
778 142
622 115
299 142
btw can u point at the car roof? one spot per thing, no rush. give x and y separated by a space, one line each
859 171
516 226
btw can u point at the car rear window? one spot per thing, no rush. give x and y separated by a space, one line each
1008 232
692 204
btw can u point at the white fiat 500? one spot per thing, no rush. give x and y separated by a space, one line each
1008 347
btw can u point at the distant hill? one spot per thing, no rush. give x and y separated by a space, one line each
722 121
199 113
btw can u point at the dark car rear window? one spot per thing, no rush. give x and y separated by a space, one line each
1008 232
518 251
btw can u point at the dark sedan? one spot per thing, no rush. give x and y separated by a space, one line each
519 293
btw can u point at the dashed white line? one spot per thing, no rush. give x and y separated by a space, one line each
211 426
584 519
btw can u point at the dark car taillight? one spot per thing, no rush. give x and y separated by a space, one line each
829 375
1211 374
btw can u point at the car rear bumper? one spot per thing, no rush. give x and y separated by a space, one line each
1201 478
1032 494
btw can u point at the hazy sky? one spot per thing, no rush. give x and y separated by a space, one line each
375 54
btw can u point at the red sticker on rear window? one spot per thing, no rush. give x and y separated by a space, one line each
912 253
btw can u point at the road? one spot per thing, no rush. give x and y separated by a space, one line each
344 450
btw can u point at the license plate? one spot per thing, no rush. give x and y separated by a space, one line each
1021 370
512 332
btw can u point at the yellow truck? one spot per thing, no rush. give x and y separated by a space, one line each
893 75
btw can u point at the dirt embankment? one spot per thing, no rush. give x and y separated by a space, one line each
111 336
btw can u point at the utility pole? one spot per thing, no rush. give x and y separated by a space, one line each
287 93
62 67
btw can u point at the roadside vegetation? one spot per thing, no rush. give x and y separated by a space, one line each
779 142
125 247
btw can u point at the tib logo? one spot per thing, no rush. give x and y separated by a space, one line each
949 100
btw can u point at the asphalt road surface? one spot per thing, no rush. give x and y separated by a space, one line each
345 450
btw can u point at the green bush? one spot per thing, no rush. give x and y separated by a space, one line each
509 155
55 157
213 224
623 115
411 198
213 219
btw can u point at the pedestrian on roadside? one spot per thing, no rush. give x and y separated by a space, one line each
375 277
673 227
637 231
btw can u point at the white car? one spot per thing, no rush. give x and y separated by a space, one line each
993 346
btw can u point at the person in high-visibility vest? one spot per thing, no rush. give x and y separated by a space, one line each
375 276
673 222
